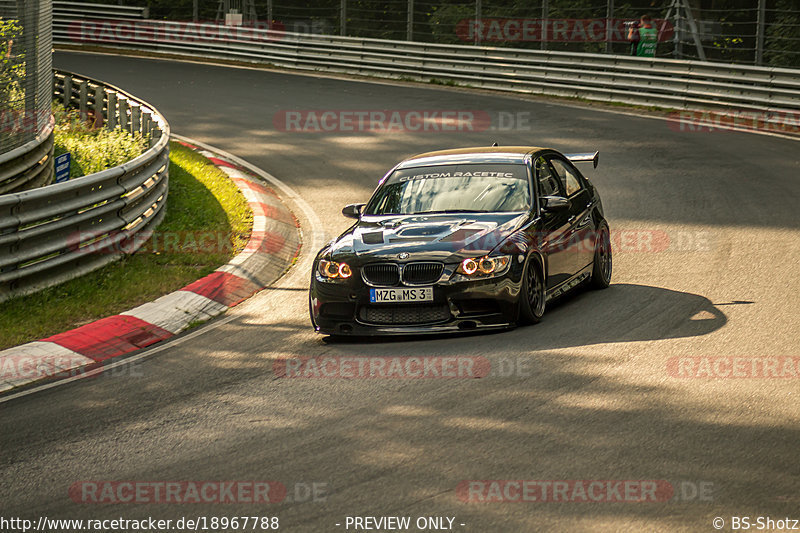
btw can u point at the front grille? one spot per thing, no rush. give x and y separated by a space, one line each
405 315
422 272
385 274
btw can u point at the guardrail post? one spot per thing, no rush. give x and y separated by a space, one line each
155 134
67 91
123 114
99 95
136 118
147 124
83 101
111 116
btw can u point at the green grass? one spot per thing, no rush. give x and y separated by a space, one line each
202 202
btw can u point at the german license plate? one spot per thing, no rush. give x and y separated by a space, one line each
417 294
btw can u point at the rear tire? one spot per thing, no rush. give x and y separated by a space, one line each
532 297
602 266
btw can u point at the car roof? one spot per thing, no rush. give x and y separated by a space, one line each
480 154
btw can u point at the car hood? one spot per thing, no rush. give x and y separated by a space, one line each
441 237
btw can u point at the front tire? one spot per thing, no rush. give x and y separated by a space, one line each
602 266
532 298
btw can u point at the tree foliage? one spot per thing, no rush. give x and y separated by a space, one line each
12 65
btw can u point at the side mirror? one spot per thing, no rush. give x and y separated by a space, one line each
555 204
353 210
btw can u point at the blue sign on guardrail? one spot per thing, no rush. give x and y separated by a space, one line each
62 167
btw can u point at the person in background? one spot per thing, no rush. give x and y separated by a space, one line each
643 37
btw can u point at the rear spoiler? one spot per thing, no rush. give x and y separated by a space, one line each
584 158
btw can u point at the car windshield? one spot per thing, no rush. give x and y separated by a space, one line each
465 188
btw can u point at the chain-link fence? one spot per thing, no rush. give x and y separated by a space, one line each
762 32
26 70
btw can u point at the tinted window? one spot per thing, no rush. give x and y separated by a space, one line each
548 184
444 188
568 177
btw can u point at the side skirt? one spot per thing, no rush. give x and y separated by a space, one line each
569 284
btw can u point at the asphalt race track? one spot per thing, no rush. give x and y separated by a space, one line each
705 270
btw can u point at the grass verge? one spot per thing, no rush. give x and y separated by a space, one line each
207 222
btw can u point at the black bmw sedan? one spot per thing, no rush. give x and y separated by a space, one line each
465 239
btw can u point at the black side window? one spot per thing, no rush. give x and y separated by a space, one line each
567 176
545 177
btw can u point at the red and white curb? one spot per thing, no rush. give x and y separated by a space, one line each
273 245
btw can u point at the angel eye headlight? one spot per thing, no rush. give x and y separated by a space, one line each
333 270
486 265
468 267
483 266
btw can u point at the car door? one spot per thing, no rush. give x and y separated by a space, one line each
581 229
554 237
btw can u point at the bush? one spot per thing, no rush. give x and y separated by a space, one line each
12 72
93 149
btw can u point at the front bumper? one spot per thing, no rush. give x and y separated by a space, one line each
343 307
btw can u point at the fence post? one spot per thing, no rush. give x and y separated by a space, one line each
762 11
343 18
678 51
478 24
545 16
410 21
609 22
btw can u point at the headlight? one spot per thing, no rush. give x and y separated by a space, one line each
483 266
333 270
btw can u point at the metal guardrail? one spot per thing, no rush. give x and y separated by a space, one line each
664 83
30 165
54 233
80 10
